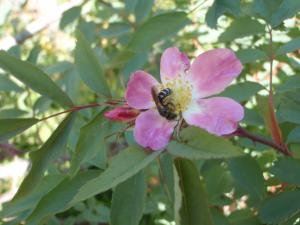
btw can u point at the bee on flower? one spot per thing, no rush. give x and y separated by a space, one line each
183 95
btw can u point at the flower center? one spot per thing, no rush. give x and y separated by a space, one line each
181 93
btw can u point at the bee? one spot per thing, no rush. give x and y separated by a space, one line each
164 103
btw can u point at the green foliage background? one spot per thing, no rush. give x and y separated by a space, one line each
79 175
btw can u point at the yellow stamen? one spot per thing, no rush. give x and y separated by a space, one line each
181 93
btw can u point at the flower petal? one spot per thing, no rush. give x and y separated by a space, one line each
172 63
213 71
123 113
217 115
138 93
152 130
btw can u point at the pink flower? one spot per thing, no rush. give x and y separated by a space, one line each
186 88
123 113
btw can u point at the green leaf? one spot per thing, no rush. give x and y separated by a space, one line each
287 9
115 29
130 5
128 201
285 170
59 198
35 78
12 127
290 106
7 85
134 64
281 207
250 55
294 135
248 175
34 54
237 29
219 218
11 113
276 11
167 175
89 67
28 202
291 82
218 181
91 143
69 16
142 10
265 8
292 45
243 217
198 144
242 91
157 28
252 117
194 208
52 148
124 165
218 8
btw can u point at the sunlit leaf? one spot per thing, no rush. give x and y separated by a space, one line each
35 78
124 165
198 144
292 45
250 55
218 8
7 85
12 127
143 9
69 16
237 29
59 198
28 202
242 91
51 149
91 143
156 29
115 30
89 67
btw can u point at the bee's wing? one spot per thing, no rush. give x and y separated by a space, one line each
154 93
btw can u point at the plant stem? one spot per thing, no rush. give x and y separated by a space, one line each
271 56
78 108
241 132
273 123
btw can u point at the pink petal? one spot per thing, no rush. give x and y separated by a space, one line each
217 115
152 130
172 63
123 113
213 71
138 93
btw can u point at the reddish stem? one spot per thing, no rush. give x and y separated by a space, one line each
78 108
255 138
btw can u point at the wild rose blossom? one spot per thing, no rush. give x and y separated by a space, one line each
123 113
209 74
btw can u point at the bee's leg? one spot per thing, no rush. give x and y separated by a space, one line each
178 127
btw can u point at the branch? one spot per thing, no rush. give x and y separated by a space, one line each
38 25
78 108
240 132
